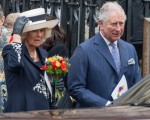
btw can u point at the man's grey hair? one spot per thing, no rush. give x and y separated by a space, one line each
1 12
107 8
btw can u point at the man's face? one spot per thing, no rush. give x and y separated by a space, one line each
113 28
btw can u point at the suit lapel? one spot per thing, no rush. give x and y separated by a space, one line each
123 58
102 47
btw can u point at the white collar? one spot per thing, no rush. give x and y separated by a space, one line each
106 40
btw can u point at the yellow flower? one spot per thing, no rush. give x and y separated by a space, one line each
59 57
57 64
49 59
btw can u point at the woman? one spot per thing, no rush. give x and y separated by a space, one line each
27 89
56 43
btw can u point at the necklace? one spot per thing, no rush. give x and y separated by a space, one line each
34 56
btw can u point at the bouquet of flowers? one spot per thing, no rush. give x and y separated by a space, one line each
56 66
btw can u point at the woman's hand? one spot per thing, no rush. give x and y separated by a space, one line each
19 25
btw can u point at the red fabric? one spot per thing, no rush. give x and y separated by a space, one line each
11 39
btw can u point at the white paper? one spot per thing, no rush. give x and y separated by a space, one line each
48 83
120 89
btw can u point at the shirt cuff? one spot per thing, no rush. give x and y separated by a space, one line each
108 103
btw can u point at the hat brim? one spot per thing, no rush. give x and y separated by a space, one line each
47 24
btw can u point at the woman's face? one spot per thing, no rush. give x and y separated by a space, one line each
35 38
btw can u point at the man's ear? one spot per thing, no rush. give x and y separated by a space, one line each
2 20
100 22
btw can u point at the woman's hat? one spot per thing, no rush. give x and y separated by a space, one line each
37 20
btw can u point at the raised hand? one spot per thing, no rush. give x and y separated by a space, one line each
19 25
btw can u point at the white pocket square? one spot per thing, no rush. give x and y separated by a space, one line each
131 61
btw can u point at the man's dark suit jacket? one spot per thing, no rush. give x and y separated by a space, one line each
93 75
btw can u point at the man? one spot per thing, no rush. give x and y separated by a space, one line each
94 73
